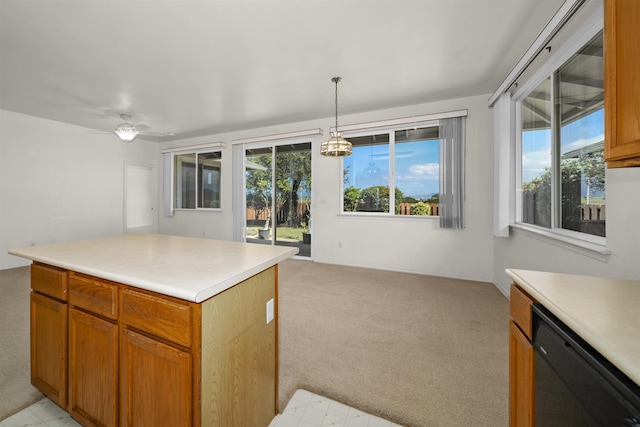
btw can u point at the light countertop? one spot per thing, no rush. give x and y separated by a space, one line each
183 267
605 312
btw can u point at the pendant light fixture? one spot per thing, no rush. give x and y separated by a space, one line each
336 146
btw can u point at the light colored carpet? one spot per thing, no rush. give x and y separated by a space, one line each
416 350
16 391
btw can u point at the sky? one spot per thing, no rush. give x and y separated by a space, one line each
536 145
416 167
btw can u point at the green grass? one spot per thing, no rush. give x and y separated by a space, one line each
282 232
594 200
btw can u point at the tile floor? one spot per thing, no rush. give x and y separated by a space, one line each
41 414
305 409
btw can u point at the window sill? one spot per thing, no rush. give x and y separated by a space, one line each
592 250
374 215
198 209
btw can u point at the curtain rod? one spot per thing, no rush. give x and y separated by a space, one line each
279 136
219 144
402 121
561 17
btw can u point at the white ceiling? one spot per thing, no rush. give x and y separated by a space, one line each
193 68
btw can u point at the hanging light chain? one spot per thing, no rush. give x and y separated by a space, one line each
336 146
336 80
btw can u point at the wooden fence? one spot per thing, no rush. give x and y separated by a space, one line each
405 209
590 212
281 216
593 212
254 215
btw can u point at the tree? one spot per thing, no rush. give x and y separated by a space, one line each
433 199
537 192
351 199
420 208
258 182
345 175
409 199
293 174
536 195
374 199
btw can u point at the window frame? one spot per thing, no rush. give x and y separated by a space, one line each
548 70
174 189
390 129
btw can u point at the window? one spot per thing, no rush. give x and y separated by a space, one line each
561 128
405 160
197 180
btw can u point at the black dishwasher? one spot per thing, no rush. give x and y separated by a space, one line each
574 384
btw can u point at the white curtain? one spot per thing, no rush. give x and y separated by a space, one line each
167 174
238 201
452 153
503 161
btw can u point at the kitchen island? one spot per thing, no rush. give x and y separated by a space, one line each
156 330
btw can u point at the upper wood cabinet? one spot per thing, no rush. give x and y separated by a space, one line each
622 83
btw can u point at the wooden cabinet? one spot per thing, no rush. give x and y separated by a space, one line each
521 363
93 295
520 378
93 369
622 82
156 363
155 382
49 332
93 350
160 316
140 358
49 347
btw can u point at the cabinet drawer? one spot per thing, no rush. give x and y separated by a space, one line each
157 315
93 294
520 308
49 280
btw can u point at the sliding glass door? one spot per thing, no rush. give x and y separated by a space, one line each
278 196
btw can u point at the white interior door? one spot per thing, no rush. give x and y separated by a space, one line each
139 203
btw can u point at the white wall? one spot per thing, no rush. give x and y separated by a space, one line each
527 251
400 244
60 182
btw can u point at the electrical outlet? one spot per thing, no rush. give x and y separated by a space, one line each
270 311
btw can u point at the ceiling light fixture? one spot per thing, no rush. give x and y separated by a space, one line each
336 146
126 131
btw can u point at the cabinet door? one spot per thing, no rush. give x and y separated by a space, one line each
520 378
622 82
49 347
155 382
93 369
